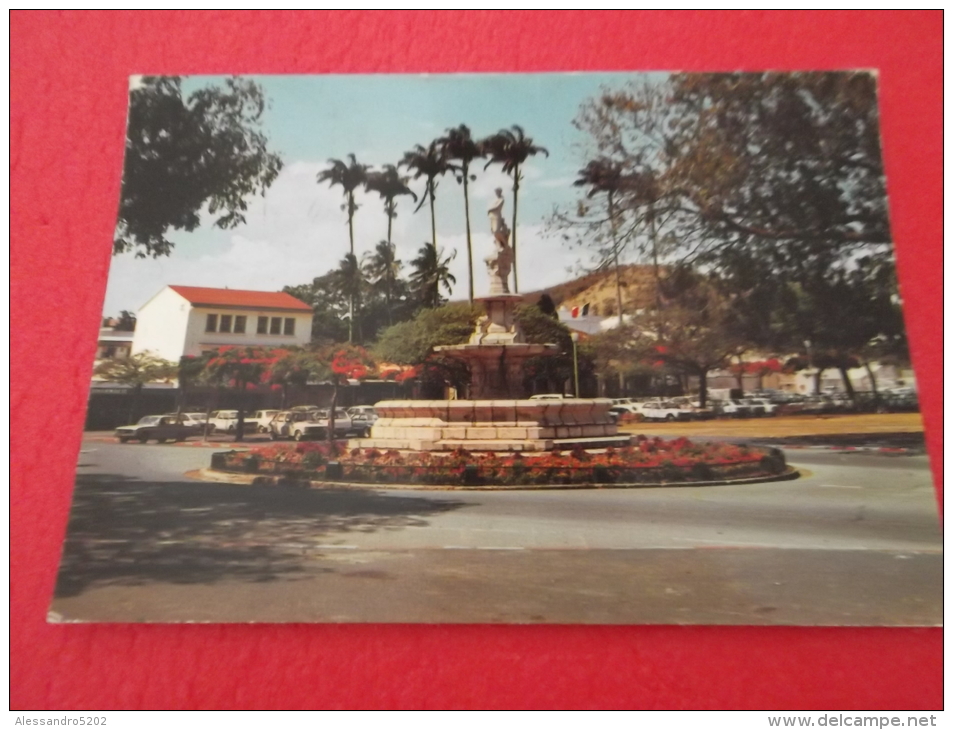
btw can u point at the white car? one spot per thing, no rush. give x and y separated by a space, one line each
316 427
550 396
259 420
655 410
224 421
733 408
762 406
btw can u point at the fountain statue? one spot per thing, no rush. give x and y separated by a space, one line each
496 415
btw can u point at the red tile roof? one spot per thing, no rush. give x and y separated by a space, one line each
203 296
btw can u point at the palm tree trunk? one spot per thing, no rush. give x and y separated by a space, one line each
350 231
615 249
433 220
466 208
516 190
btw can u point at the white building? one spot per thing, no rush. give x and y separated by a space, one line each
190 320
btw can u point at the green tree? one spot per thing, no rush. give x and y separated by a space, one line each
791 159
389 185
136 370
383 269
186 155
296 368
604 176
330 310
349 281
511 148
350 176
412 343
430 163
431 271
459 145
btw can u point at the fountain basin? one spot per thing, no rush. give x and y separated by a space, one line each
493 425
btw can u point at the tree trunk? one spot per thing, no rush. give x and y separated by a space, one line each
350 232
433 221
740 376
873 382
817 380
703 387
615 252
134 402
334 403
516 189
466 209
848 386
240 426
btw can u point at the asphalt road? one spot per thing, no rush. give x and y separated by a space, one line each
855 541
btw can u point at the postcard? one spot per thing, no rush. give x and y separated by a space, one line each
595 348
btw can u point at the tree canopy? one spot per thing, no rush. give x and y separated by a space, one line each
185 155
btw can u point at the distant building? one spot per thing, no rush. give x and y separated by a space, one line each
113 343
190 320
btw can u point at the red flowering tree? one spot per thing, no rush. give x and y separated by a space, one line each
349 362
241 368
297 367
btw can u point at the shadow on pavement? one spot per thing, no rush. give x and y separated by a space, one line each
130 532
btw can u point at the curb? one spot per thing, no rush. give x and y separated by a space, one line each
886 450
211 475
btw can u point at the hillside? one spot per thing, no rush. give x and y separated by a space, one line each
598 291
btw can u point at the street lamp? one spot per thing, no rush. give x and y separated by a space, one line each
575 360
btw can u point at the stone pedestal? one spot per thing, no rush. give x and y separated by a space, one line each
493 425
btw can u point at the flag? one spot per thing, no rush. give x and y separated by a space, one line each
585 309
575 312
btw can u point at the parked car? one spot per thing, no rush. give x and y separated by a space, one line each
318 423
367 412
361 424
656 410
259 420
550 396
223 421
196 420
732 408
280 426
160 428
760 406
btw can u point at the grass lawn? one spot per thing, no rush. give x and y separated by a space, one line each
783 426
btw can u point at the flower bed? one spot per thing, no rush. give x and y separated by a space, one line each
647 461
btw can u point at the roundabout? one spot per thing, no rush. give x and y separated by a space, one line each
647 462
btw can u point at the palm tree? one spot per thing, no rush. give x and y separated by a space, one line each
459 145
383 269
511 148
349 281
431 271
605 176
349 177
389 184
428 162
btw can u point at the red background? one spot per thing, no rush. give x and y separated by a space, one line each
68 97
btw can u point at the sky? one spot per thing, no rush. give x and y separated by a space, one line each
298 230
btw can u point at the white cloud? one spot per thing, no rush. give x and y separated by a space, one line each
299 231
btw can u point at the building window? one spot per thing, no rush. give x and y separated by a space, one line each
240 320
211 323
275 326
226 324
263 325
289 325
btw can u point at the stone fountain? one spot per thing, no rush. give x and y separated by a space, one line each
497 416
